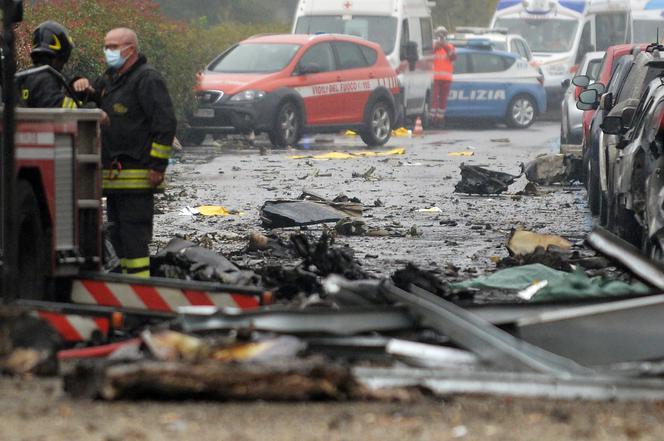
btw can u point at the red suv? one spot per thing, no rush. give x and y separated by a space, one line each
286 85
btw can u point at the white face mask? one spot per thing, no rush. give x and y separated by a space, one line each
114 58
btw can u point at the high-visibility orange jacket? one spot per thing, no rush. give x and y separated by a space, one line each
444 57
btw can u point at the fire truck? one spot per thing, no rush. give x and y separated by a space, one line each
51 223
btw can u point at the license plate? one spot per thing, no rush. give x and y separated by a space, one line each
204 113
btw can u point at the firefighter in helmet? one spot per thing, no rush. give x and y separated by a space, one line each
51 46
444 57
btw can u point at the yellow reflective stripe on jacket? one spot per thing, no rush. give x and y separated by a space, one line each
68 103
161 151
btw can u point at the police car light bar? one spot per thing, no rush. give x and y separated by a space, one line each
539 6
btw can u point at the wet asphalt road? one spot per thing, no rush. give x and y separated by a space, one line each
467 232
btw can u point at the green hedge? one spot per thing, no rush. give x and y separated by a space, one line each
177 49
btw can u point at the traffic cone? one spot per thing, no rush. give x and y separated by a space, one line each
418 130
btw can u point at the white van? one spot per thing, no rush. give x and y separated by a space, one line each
403 28
561 32
647 21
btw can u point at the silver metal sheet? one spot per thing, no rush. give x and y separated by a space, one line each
463 381
615 332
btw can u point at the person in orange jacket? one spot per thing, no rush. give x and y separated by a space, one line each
443 68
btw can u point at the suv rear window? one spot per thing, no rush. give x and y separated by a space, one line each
350 55
370 54
256 58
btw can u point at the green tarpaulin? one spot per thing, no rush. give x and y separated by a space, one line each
560 285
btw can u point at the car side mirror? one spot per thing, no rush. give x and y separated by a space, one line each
411 54
584 107
589 96
581 80
606 102
627 116
613 125
565 83
599 87
309 69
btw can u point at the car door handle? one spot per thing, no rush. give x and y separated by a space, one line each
339 79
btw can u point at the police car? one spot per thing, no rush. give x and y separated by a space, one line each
286 85
495 85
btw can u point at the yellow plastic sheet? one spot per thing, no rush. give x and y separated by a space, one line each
214 210
401 133
350 133
352 155
463 154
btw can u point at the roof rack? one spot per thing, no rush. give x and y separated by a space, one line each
480 30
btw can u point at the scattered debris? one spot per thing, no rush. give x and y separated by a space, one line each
464 154
28 345
529 190
351 227
501 140
283 214
411 277
182 259
478 180
309 209
352 155
554 169
430 210
521 242
326 258
367 175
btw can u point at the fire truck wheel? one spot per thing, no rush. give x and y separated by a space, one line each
378 127
31 253
287 126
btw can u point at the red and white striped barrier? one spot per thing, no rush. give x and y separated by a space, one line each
76 328
154 298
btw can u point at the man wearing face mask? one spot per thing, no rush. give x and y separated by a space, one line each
136 145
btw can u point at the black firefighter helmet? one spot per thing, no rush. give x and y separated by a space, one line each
51 39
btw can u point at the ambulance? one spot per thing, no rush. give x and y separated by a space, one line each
561 32
647 21
403 29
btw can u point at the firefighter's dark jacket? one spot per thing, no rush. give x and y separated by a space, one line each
43 89
140 136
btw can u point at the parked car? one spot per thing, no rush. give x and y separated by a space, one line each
500 39
571 124
613 53
632 75
286 85
639 181
495 85
403 28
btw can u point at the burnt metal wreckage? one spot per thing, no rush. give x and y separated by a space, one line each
364 339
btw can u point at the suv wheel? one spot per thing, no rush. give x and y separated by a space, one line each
521 112
378 127
287 126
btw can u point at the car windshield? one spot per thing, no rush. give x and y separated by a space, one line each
646 31
381 30
543 35
256 58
